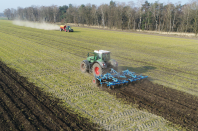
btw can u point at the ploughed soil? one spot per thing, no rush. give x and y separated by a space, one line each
175 106
24 107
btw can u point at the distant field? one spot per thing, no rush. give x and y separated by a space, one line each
51 60
3 18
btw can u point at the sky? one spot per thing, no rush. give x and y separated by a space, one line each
4 4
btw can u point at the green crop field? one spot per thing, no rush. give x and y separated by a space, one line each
51 60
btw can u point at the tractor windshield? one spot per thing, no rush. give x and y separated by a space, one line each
106 56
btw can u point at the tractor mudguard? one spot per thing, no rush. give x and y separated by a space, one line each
87 62
102 64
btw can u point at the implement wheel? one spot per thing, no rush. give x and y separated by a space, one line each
83 67
97 70
96 81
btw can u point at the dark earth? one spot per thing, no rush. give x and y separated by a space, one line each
23 106
175 106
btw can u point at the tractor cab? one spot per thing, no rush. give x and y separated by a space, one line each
98 55
103 55
106 57
68 28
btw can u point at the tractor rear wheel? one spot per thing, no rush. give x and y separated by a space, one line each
83 67
97 70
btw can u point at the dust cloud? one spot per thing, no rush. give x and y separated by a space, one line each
45 26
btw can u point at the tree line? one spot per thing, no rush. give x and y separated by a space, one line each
142 15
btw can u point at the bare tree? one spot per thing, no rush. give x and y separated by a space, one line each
13 13
168 16
88 9
139 4
20 13
194 12
55 11
186 11
81 18
155 12
103 11
146 9
7 13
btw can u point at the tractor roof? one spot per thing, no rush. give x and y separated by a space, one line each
101 51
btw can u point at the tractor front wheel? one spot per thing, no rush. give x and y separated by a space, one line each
83 67
97 69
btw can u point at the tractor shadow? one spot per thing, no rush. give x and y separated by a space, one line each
68 32
137 70
76 31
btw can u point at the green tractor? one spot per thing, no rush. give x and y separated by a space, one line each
68 29
98 62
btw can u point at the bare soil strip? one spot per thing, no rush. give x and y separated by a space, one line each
24 107
175 106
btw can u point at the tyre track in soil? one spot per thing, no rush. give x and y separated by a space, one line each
173 105
24 107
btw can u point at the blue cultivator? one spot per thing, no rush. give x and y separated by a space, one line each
114 78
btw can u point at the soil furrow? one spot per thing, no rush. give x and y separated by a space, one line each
24 107
162 101
36 111
15 114
5 119
23 104
184 101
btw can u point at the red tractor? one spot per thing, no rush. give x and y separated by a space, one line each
66 28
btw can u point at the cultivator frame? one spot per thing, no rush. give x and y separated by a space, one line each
114 78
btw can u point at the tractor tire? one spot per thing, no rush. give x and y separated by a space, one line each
83 67
97 70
